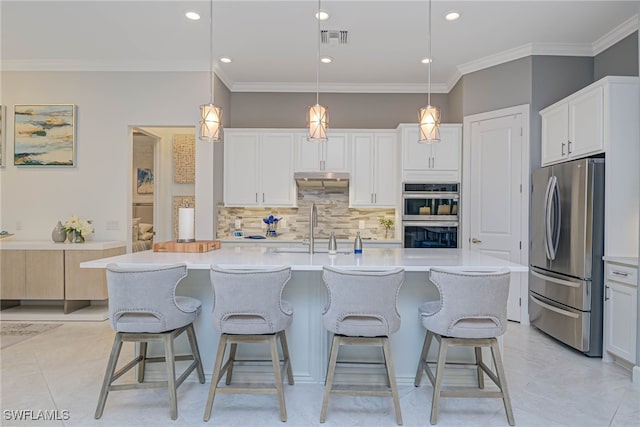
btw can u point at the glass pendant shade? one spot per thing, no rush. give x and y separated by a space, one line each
429 122
210 122
317 122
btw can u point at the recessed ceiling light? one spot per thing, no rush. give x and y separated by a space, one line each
192 14
426 60
452 16
225 60
326 60
322 15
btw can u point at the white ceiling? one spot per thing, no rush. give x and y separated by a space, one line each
273 43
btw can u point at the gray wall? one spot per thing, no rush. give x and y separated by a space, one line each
502 86
456 102
554 78
621 59
346 110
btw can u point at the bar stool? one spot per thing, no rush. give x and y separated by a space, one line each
471 312
248 308
143 307
362 311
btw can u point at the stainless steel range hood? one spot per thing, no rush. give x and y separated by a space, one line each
322 179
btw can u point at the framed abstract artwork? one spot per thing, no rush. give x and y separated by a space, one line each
145 181
2 135
44 135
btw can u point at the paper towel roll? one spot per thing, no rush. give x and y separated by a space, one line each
186 225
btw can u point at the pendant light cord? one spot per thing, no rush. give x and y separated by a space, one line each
430 59
211 50
318 57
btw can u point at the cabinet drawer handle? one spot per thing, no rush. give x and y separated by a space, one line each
563 144
256 197
606 293
620 273
262 197
569 148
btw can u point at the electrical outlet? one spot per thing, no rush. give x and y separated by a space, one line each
238 223
361 224
283 223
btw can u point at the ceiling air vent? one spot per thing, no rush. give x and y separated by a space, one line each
334 37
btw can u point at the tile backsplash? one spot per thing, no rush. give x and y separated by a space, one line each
334 215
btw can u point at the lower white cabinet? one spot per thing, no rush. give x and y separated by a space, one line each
373 181
621 310
258 168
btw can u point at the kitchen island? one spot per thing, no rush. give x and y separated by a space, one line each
308 340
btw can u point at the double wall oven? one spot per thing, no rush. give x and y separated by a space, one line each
430 215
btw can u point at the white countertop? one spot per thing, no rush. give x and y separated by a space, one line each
630 261
48 245
263 257
319 242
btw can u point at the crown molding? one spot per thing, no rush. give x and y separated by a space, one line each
336 87
453 80
102 65
614 36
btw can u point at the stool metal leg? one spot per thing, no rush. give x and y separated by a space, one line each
143 361
215 378
478 351
392 378
328 384
231 360
193 342
108 375
285 355
170 363
422 363
278 376
437 387
497 360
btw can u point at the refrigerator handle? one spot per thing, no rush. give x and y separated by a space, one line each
554 309
555 280
557 218
547 218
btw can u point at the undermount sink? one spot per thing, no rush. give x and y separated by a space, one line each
305 250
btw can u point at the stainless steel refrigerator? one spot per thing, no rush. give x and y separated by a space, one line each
567 244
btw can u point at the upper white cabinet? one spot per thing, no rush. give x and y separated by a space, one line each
330 156
373 181
431 162
574 127
620 311
258 168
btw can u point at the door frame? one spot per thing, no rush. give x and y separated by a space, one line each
525 176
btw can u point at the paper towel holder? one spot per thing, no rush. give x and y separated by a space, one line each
190 238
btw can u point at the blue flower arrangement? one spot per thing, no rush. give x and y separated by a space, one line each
272 223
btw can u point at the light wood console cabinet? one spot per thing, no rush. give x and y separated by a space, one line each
48 271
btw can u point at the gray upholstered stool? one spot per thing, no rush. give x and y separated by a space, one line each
248 308
471 312
362 311
143 307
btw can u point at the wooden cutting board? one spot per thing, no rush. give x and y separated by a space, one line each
197 246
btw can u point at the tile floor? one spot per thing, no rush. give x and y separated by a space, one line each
550 385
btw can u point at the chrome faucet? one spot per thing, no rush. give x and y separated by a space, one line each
313 222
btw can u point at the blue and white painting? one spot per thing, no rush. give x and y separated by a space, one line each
145 181
44 135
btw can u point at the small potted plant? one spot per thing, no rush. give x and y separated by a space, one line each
387 223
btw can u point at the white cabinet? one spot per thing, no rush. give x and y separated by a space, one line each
258 168
574 127
431 162
330 156
620 311
374 181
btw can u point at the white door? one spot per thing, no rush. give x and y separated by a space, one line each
495 195
242 169
276 178
361 186
336 152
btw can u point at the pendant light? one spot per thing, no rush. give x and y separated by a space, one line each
429 116
210 114
317 117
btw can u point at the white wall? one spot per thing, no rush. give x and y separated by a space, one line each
99 188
